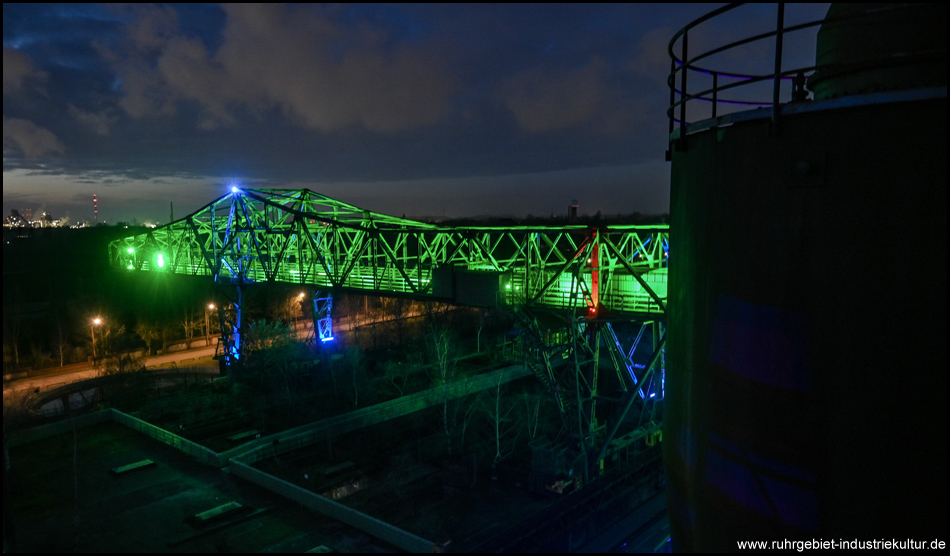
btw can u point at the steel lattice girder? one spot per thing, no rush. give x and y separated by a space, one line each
302 237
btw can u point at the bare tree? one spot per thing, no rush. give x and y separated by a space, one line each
189 322
456 410
150 332
505 430
39 357
61 340
108 336
437 314
532 421
440 345
14 330
397 373
397 309
354 361
122 363
167 334
269 348
287 308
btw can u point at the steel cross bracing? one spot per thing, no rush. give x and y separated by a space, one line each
591 275
301 237
598 410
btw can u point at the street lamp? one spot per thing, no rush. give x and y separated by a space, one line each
92 332
207 328
296 308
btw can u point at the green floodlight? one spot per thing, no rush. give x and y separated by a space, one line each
131 250
161 261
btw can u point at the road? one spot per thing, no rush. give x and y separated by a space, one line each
46 379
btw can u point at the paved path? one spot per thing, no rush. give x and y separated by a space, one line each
46 379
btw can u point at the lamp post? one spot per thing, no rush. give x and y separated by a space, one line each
92 332
296 309
207 327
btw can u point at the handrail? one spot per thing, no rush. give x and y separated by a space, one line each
684 64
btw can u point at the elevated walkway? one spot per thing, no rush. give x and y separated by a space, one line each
301 237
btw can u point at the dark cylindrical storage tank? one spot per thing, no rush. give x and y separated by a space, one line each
807 352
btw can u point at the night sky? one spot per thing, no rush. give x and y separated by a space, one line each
421 110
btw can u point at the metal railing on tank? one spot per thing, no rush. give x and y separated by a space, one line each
768 80
682 67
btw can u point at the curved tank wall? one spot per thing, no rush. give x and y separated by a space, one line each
863 48
807 358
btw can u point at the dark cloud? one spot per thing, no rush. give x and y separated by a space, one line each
173 100
19 73
287 58
543 100
98 123
30 139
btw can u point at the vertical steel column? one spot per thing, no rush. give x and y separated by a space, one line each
715 98
595 276
239 323
683 95
322 317
586 376
672 111
777 77
231 321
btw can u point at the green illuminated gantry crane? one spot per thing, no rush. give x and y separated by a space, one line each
594 277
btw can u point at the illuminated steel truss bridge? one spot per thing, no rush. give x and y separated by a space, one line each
606 285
